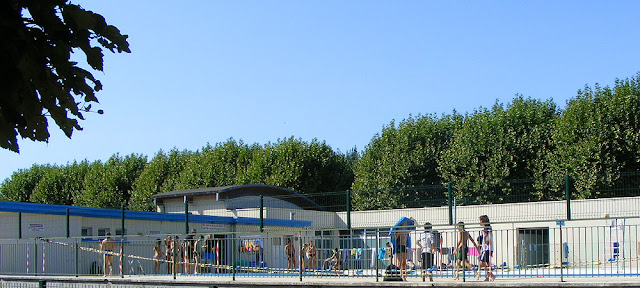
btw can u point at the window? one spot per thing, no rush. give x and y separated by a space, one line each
119 232
323 240
103 231
87 231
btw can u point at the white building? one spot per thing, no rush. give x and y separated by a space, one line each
529 234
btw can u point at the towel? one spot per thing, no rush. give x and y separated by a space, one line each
403 221
473 251
373 256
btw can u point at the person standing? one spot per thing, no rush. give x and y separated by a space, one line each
427 243
388 251
401 242
304 256
168 254
208 249
290 251
157 256
107 257
311 251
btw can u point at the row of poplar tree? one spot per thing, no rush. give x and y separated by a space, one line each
597 132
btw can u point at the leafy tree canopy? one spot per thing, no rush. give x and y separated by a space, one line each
519 151
38 78
402 156
598 133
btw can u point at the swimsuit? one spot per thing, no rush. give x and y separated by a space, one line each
400 248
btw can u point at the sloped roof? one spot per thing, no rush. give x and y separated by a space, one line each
230 192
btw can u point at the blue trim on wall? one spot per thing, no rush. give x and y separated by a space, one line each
89 212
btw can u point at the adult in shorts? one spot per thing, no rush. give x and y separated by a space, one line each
401 241
107 257
290 252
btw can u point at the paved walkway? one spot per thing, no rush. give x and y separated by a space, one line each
332 282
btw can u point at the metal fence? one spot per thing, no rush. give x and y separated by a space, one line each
35 283
576 249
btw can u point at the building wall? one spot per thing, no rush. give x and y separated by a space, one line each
590 237
512 212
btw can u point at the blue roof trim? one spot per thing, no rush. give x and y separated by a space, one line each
50 209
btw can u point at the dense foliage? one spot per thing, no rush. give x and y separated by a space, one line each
496 144
598 134
39 79
403 156
520 150
306 167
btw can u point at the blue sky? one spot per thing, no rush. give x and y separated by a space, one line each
204 71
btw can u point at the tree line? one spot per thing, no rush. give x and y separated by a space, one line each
597 133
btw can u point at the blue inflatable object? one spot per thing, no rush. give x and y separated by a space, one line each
403 221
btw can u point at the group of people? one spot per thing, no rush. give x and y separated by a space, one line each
429 243
484 244
307 255
189 251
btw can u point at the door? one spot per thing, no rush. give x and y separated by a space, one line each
533 247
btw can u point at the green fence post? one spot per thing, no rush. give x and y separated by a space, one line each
377 248
19 225
233 255
450 204
567 196
186 216
348 209
122 239
121 221
67 217
261 215
76 252
35 256
561 251
42 284
301 258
